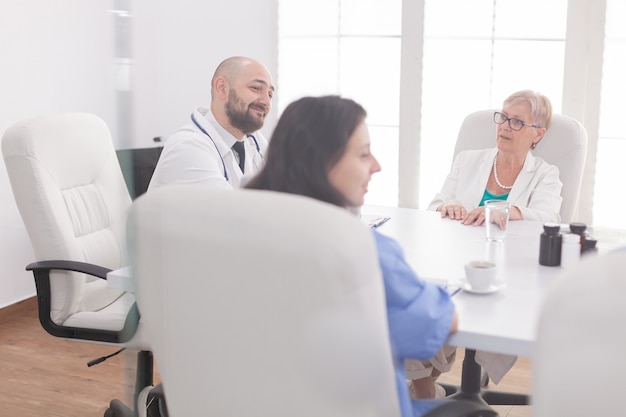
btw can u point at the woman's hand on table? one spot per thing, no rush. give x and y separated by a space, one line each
475 217
452 209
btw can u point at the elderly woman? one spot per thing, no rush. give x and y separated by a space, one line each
507 172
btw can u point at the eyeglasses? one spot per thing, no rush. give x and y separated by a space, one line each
514 124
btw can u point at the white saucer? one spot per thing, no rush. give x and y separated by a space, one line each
489 290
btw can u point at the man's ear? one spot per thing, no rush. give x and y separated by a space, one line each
221 87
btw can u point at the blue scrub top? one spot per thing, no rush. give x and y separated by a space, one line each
419 316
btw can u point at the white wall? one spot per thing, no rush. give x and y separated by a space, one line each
177 46
57 56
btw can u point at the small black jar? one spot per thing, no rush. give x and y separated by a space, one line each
550 245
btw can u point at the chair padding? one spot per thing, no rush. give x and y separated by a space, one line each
71 195
261 303
578 361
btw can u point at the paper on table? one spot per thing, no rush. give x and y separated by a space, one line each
452 289
379 221
374 221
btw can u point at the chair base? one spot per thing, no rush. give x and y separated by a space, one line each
470 388
462 408
156 404
119 409
144 378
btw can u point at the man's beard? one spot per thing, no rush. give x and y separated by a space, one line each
239 115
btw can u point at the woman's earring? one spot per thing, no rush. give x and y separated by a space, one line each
534 145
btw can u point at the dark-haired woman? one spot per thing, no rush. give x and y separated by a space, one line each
320 148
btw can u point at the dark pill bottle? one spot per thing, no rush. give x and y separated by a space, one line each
550 245
579 229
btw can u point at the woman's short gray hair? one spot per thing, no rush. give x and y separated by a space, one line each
540 106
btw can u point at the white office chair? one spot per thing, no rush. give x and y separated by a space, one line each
564 146
578 359
262 303
71 195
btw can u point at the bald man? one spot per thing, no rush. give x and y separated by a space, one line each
223 142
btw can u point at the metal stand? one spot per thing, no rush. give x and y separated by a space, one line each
470 386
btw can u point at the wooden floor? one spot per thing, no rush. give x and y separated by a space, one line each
44 376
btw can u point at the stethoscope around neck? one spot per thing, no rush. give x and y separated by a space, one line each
256 144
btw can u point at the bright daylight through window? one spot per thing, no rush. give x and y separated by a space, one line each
471 59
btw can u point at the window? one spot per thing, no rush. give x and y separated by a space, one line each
609 199
473 59
474 54
351 48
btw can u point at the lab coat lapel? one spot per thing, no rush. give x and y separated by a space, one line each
483 170
524 178
232 167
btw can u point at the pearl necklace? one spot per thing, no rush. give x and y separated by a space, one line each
495 175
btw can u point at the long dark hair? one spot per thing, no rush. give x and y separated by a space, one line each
309 139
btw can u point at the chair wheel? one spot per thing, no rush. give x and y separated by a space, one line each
118 409
143 401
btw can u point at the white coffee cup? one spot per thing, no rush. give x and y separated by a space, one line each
480 274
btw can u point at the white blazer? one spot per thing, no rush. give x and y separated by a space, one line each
536 191
192 156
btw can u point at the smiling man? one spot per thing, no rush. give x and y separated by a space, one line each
223 142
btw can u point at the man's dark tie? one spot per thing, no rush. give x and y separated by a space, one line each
241 151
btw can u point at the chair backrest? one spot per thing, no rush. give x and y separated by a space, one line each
564 146
138 165
578 364
255 287
71 195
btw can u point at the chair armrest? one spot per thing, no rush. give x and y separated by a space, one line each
41 271
84 267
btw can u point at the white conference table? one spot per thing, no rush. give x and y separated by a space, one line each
121 279
438 249
500 322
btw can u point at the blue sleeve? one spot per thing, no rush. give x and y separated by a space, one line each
419 313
